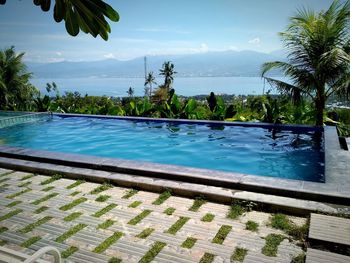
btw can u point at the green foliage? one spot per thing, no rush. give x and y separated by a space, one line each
104 210
177 225
208 217
222 234
162 197
282 222
189 242
153 252
197 203
72 231
252 226
207 258
145 233
271 245
169 211
239 254
108 242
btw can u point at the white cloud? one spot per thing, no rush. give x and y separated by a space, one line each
109 55
255 41
233 48
59 53
204 48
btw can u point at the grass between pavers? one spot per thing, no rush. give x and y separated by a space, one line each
135 204
189 242
4 185
130 193
282 222
72 216
162 198
45 198
239 254
3 242
137 219
73 204
4 180
18 193
48 188
52 179
37 223
106 224
197 203
27 177
69 251
271 244
115 260
102 198
101 188
153 252
145 233
235 210
14 203
169 211
41 209
222 234
208 217
25 184
75 184
6 173
108 242
10 214
75 193
299 258
30 241
3 229
207 258
104 210
72 231
177 225
252 226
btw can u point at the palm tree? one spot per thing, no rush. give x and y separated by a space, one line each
149 81
318 62
130 92
168 72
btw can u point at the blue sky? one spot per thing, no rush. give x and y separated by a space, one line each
153 27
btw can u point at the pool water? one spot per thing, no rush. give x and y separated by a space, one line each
248 150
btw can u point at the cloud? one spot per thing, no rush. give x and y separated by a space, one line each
233 48
255 41
59 53
109 55
204 48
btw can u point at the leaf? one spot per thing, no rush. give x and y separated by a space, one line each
2 2
59 11
71 23
45 5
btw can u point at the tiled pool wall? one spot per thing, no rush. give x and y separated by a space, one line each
8 118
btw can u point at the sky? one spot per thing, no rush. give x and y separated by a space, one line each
153 27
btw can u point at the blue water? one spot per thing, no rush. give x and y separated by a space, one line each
258 151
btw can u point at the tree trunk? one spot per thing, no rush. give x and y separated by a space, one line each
320 103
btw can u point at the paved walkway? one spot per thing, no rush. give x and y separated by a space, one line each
89 222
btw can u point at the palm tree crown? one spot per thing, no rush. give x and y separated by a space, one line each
168 72
150 79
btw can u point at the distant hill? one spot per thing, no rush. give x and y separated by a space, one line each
227 63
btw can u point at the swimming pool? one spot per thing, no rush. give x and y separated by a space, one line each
279 153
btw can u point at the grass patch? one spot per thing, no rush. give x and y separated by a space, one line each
30 241
75 184
106 224
239 254
4 185
104 210
101 188
102 198
40 209
130 193
137 219
222 234
135 204
4 180
115 260
271 245
169 211
189 242
282 222
48 188
108 242
162 197
207 258
299 258
10 214
45 198
75 193
25 184
27 177
73 204
75 229
18 193
6 173
197 203
14 203
37 223
72 216
153 252
145 233
177 225
3 242
69 251
236 210
252 226
52 179
3 229
208 217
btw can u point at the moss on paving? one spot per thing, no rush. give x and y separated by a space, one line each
137 219
104 210
162 197
72 216
115 260
130 193
145 233
299 258
4 185
252 226
207 258
45 198
102 198
75 193
235 210
4 180
108 242
177 225
25 184
135 204
222 234
14 203
239 254
3 242
37 223
73 204
18 193
52 179
282 222
189 242
106 224
72 231
69 251
27 177
197 203
169 211
48 188
271 244
101 188
6 173
153 252
75 184
10 214
30 241
3 229
41 209
208 217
